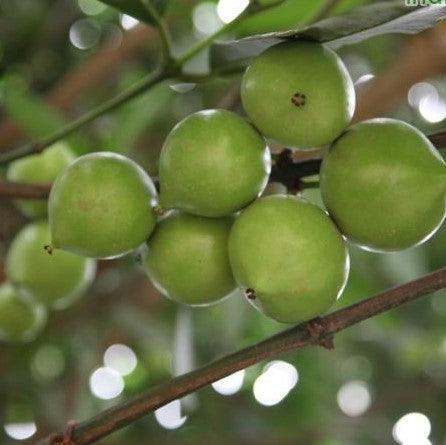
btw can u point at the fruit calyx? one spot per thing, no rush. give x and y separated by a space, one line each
299 99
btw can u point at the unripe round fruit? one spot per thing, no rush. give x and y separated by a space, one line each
384 184
101 206
187 258
298 94
40 168
213 163
55 280
288 257
21 318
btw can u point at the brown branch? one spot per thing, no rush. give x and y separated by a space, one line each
296 337
23 190
289 169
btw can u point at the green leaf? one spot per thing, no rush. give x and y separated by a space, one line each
136 8
33 115
359 24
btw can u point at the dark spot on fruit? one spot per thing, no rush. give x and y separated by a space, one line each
48 249
299 99
250 294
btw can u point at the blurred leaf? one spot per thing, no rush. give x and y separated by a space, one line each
358 25
136 8
134 118
286 15
33 115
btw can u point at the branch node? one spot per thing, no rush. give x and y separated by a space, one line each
65 438
317 329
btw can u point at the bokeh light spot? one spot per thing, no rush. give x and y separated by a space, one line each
169 416
85 33
231 384
106 383
274 384
354 398
20 431
120 358
228 10
412 428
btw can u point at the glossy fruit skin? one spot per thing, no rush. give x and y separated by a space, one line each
40 168
384 185
187 258
55 280
101 206
298 94
21 318
213 163
289 254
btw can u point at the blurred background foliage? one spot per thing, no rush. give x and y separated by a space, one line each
60 58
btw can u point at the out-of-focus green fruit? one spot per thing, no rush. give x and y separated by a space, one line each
213 163
298 94
101 206
55 280
288 257
384 184
21 318
187 258
40 168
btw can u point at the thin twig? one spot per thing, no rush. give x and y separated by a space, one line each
172 69
166 38
110 105
296 337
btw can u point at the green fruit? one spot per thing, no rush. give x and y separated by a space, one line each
289 258
187 258
40 168
299 94
213 163
21 318
55 280
384 185
101 206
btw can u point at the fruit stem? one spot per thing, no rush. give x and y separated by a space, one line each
160 23
160 211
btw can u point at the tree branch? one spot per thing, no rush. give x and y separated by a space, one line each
22 190
296 337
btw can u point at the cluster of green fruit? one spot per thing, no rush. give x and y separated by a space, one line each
36 280
382 182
